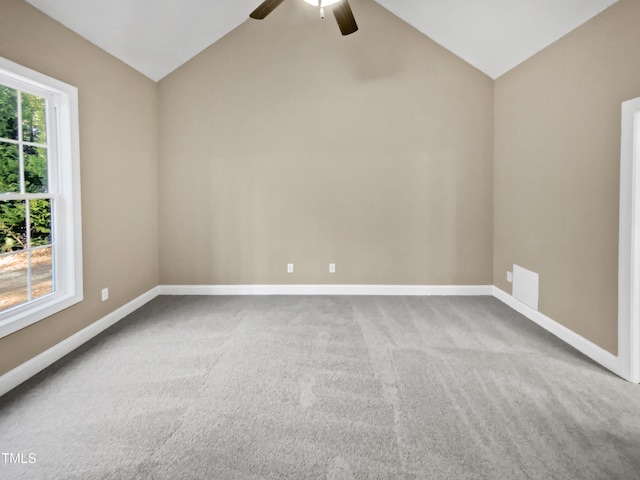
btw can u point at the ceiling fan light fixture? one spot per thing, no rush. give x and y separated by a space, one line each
321 3
341 10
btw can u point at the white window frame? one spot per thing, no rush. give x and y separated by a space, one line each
64 184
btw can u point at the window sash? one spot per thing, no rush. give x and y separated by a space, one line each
63 190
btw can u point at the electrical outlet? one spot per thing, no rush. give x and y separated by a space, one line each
105 294
289 267
510 277
332 268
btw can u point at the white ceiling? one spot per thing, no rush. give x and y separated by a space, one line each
495 35
155 37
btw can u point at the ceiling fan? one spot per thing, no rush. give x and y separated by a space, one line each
341 10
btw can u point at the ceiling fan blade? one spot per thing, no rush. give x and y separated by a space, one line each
265 9
344 17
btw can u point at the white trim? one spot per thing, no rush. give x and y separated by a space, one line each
590 349
629 246
326 290
24 372
30 368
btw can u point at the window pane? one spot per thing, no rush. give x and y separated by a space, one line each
13 280
8 113
9 168
35 169
13 226
34 127
40 220
41 272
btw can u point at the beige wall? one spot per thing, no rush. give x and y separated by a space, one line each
557 167
286 142
118 139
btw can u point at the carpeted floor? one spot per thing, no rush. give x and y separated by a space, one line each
323 388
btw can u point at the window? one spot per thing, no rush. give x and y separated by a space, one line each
40 234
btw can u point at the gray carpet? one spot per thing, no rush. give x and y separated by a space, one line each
323 388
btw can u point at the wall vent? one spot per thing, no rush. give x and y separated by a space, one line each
525 286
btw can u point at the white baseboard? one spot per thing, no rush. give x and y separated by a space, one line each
23 372
326 290
590 349
20 374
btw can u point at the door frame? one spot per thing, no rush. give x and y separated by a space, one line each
629 244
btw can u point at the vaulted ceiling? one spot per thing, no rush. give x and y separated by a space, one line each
155 37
